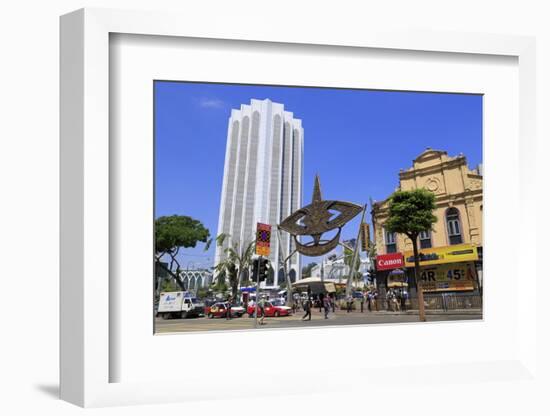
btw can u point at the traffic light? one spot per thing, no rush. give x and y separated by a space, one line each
255 269
262 269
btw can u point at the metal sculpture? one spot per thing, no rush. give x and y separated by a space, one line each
315 219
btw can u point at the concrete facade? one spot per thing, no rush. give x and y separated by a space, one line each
262 179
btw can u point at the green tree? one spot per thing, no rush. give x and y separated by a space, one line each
219 285
410 213
171 234
306 270
203 292
238 260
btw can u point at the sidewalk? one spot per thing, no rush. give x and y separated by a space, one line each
471 311
408 312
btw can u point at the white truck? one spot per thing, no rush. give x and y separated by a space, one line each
179 305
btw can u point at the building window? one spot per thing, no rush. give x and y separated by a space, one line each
453 226
292 275
425 239
391 244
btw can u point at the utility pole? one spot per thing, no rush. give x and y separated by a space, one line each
257 293
355 252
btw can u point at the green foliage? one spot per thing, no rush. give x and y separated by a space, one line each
238 259
178 231
411 212
203 292
306 270
169 285
220 284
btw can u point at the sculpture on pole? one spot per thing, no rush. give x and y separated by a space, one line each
316 219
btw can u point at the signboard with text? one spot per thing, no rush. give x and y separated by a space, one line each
389 261
444 277
442 255
263 239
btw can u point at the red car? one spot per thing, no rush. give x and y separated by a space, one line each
219 310
271 309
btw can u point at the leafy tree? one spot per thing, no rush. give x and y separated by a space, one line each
168 285
410 213
220 286
306 270
238 260
171 234
203 292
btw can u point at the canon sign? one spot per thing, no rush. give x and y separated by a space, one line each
389 261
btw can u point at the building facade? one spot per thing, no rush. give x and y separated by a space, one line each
262 180
459 210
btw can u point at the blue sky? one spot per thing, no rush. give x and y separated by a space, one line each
356 140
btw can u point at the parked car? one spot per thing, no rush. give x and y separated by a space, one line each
273 308
219 310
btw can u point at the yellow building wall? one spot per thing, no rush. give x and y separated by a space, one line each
453 184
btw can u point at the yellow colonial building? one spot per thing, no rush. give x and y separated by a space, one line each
459 211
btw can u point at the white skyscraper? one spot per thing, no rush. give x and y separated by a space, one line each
262 179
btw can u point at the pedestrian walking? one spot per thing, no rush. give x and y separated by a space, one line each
404 297
349 301
321 298
307 309
389 297
228 311
326 305
369 301
261 311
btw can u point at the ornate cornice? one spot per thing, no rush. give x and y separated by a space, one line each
413 172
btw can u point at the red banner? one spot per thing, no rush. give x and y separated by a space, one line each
389 261
263 239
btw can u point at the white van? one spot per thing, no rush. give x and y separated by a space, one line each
179 305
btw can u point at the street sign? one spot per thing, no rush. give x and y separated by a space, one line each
263 239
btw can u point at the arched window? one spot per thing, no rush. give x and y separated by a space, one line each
391 242
454 228
425 239
270 277
281 277
292 275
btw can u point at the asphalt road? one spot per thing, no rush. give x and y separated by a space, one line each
339 318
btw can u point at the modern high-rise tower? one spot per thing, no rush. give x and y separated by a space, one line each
262 179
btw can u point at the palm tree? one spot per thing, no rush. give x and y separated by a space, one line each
238 259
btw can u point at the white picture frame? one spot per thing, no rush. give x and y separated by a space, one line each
86 213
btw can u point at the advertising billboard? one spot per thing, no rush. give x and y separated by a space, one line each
442 255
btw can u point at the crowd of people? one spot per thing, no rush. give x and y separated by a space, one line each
396 300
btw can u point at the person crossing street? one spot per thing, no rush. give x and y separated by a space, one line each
326 304
307 309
